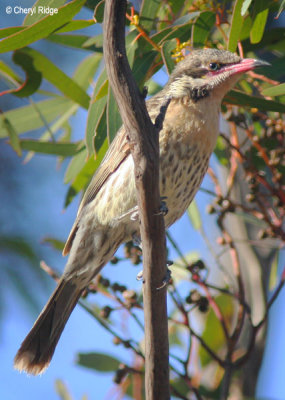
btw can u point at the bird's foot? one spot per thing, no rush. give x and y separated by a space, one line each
137 240
166 279
140 276
132 213
163 209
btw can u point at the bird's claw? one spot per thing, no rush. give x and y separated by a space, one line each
133 214
137 240
163 209
140 276
166 280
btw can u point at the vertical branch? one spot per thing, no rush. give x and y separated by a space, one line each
143 140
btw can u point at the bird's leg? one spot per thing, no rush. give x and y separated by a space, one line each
137 241
163 209
133 212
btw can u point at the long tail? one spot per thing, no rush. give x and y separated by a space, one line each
38 347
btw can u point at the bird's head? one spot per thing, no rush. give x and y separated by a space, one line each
208 72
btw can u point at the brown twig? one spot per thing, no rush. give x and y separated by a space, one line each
143 141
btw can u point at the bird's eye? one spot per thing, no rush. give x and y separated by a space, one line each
214 66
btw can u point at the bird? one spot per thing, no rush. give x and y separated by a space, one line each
190 128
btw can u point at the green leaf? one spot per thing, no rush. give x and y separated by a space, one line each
245 7
148 10
75 166
245 100
166 52
246 28
281 8
273 38
4 32
278 90
95 113
186 19
260 12
74 41
76 25
19 246
38 14
56 148
194 215
86 70
114 120
42 28
33 76
236 26
176 5
62 390
97 42
273 277
84 176
217 341
14 138
28 118
56 76
99 12
96 109
221 151
100 131
202 27
9 74
55 243
142 67
99 361
178 271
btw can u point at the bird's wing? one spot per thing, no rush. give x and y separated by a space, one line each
116 154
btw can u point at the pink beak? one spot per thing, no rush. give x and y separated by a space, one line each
246 64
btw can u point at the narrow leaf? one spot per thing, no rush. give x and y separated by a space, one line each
14 139
75 166
114 120
74 41
33 76
4 32
236 26
98 361
29 118
8 73
75 25
54 243
55 148
38 10
86 70
194 215
245 7
148 10
202 27
83 178
166 52
278 90
55 76
245 100
261 12
42 28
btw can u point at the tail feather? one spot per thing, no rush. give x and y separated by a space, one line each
38 347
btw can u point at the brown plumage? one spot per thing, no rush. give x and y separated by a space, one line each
190 129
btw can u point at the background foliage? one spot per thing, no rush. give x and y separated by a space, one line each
218 304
